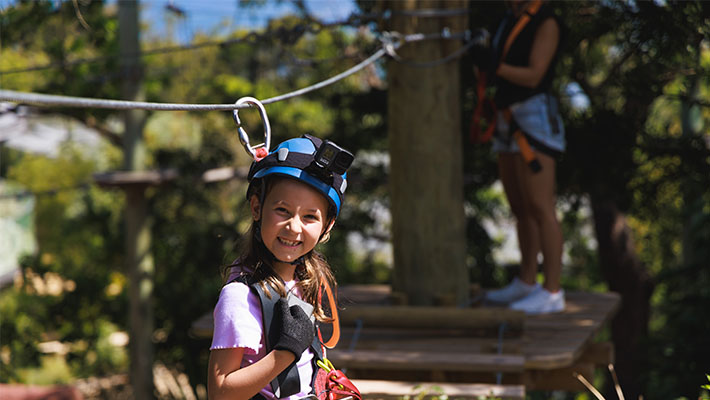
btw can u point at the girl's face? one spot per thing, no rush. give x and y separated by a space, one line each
293 218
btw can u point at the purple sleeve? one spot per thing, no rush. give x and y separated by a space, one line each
237 319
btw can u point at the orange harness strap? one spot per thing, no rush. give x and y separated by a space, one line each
526 151
475 135
532 9
335 337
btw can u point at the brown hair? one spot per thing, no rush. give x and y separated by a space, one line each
312 273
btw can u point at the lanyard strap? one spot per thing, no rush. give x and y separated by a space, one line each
532 9
335 336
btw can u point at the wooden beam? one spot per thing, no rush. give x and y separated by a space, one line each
600 354
558 379
423 360
135 178
379 389
404 317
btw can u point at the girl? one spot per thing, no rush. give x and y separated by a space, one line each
263 345
527 45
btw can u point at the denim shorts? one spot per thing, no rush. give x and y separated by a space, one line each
539 118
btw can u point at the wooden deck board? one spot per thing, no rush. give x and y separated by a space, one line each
549 341
380 389
552 342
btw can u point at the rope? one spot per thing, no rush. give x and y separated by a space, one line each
368 61
501 330
428 64
391 41
84 102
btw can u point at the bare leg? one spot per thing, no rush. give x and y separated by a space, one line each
526 226
540 201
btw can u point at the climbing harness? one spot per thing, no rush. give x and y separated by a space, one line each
486 105
328 383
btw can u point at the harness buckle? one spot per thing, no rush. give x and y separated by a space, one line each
261 150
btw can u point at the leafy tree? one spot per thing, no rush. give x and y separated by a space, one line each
646 122
627 66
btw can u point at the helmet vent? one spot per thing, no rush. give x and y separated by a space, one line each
343 186
282 154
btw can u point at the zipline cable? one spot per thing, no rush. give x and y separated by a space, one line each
84 102
389 45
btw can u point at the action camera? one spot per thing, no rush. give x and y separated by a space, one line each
333 158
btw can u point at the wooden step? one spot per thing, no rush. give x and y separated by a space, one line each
378 389
440 318
426 360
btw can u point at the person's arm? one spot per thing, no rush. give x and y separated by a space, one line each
543 50
226 380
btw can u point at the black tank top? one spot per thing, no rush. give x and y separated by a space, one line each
508 93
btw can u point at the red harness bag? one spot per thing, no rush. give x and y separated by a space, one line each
332 384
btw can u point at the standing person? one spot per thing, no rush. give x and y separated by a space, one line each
529 135
264 345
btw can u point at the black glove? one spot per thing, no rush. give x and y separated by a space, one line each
296 330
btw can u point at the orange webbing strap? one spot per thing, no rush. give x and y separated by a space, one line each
475 135
532 9
335 336
525 149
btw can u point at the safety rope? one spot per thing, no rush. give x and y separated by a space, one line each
389 46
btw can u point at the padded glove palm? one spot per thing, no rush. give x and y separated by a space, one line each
296 331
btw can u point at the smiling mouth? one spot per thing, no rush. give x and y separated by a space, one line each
290 243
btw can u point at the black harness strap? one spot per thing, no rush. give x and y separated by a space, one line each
288 382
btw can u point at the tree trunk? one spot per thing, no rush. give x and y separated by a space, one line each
138 258
426 177
626 275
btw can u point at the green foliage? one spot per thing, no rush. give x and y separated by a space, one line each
635 144
706 390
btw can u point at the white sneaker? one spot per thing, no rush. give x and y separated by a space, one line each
515 290
541 301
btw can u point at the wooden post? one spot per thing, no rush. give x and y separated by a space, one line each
138 258
426 183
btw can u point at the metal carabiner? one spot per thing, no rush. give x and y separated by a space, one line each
259 151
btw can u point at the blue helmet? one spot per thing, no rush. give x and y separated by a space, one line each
320 164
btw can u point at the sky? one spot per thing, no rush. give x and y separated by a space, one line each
222 16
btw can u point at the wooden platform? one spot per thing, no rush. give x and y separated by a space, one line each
477 345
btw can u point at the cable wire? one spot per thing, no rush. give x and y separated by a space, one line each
84 102
391 41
